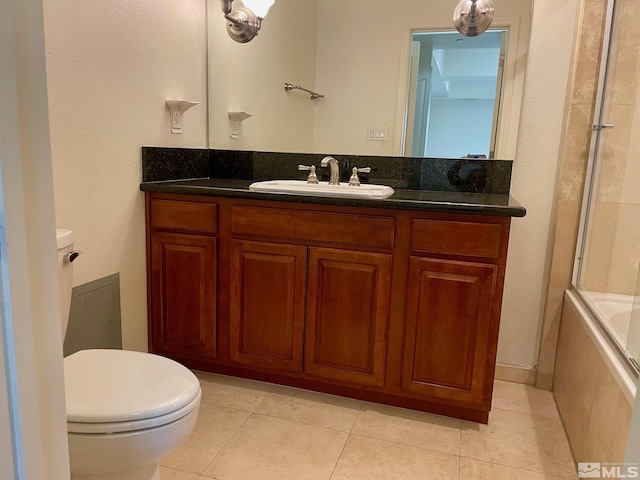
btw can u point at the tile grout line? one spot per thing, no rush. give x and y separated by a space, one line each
460 449
178 470
225 444
559 477
299 422
360 410
263 400
346 440
397 442
459 454
557 422
248 410
528 414
340 456
555 477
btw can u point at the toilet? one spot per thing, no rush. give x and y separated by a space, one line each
125 410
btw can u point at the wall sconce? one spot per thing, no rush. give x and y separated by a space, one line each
472 17
244 23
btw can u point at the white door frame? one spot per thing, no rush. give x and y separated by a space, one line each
509 121
33 446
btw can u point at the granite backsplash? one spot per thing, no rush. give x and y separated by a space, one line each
434 174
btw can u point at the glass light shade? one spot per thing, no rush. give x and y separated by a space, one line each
259 7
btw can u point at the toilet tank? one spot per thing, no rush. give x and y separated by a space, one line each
65 275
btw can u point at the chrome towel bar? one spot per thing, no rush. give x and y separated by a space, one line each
313 95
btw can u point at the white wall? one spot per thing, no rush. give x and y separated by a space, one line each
533 183
254 75
471 62
111 65
459 127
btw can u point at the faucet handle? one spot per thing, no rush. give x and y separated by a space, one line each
312 178
354 181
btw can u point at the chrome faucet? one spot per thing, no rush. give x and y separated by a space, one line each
332 163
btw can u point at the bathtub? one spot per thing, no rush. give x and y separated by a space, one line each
615 311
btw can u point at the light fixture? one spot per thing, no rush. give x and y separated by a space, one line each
244 23
472 17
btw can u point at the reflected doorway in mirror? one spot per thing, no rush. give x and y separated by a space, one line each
455 87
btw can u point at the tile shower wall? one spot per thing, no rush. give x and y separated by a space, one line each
595 412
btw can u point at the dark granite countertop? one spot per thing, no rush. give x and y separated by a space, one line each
437 201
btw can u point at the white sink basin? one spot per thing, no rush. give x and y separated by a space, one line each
322 189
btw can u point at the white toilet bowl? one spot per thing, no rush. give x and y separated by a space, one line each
125 410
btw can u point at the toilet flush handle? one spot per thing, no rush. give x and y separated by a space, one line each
71 256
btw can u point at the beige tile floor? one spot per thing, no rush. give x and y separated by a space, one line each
250 430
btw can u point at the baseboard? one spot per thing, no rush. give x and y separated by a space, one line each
512 373
544 381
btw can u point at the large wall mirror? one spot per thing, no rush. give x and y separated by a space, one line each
397 80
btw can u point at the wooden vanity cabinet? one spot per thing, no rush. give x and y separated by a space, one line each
446 341
333 303
347 316
182 272
267 305
392 306
452 312
339 297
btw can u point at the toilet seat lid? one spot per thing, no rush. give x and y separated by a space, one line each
121 386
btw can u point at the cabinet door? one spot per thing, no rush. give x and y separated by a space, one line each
347 315
183 294
448 317
267 305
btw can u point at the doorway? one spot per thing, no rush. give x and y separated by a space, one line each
454 94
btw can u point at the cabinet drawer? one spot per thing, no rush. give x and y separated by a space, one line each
344 229
349 229
457 238
189 216
263 222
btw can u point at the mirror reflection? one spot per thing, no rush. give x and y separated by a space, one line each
377 99
455 83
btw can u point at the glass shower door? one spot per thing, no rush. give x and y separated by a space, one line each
633 339
606 272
